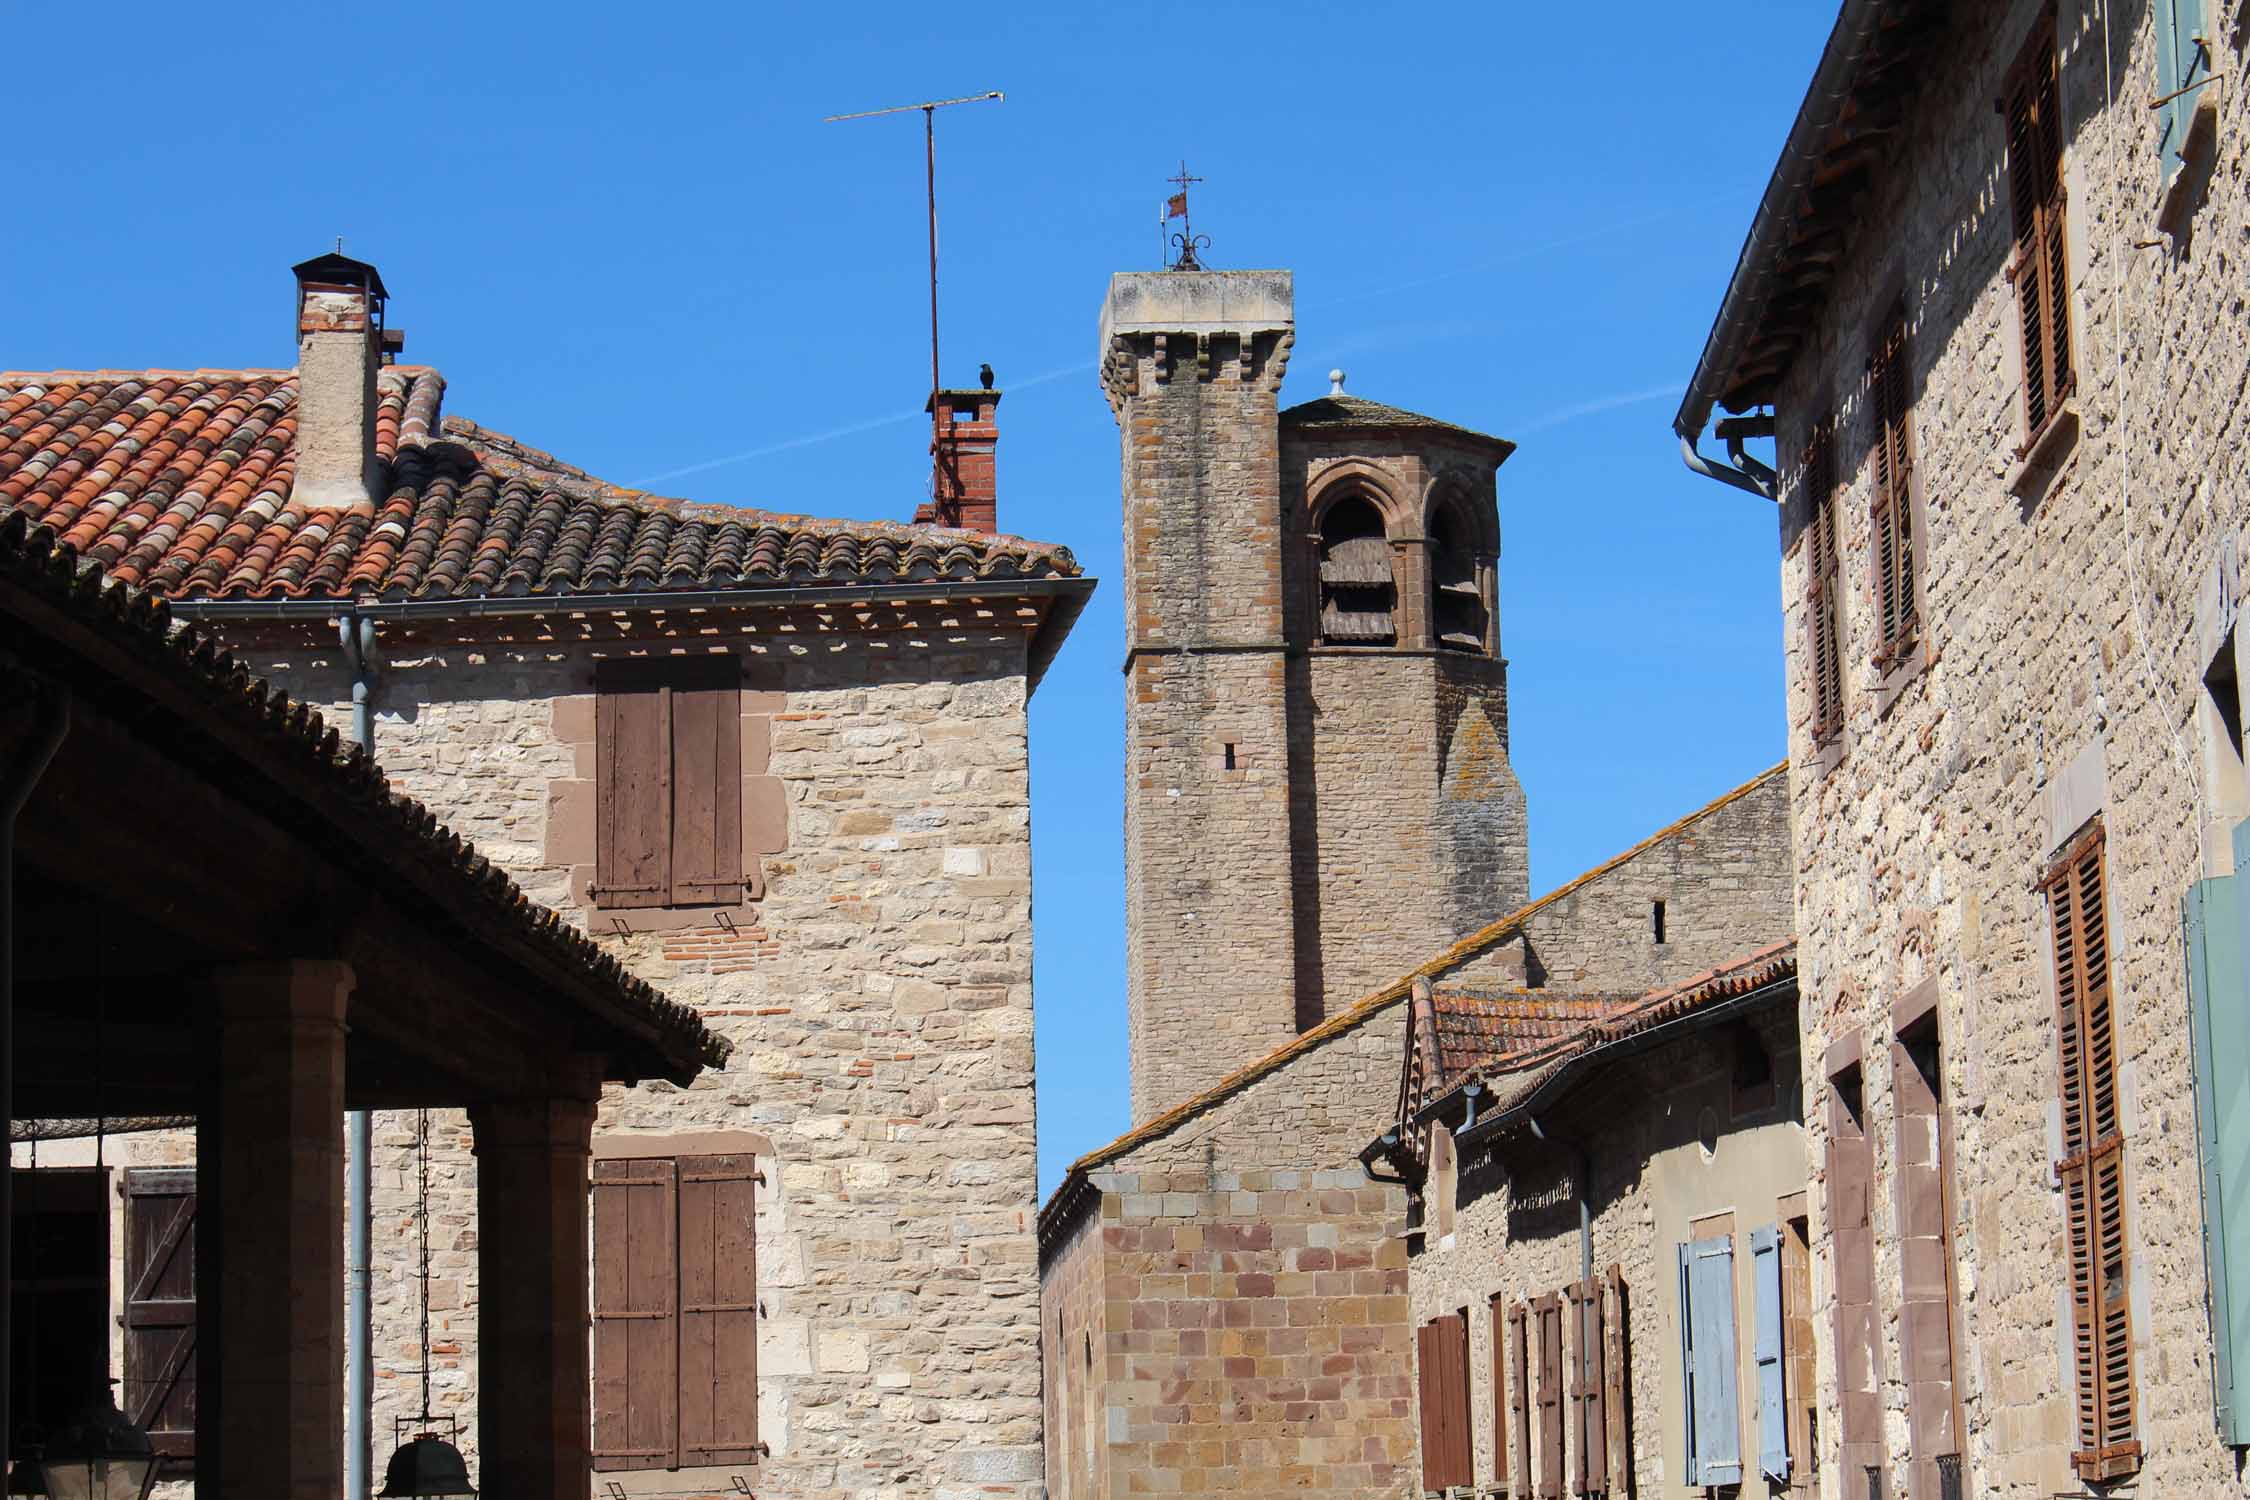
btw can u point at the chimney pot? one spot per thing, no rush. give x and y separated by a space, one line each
340 341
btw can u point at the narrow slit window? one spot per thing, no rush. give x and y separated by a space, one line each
1656 919
1230 754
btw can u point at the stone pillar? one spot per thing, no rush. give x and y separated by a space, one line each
278 1406
534 1425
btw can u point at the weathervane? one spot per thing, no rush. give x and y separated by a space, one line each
1188 241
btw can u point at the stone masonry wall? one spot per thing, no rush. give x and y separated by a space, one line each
1207 847
879 999
1516 1231
2069 620
1075 1354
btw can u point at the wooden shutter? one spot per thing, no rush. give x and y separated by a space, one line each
2216 914
1765 1353
1707 1356
2093 1165
1519 1389
2040 269
1894 542
1589 1386
1546 1316
2182 62
1499 1311
632 788
1443 1346
1823 611
718 1310
636 1315
707 783
160 1307
1613 1383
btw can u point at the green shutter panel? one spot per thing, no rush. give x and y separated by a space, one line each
1765 1283
2217 918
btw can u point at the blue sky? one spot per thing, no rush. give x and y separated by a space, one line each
626 236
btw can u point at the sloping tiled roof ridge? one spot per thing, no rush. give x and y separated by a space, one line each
34 559
1389 995
183 482
1340 410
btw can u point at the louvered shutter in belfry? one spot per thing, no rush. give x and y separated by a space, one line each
2036 202
636 1315
2093 1165
718 1310
707 783
632 788
159 1389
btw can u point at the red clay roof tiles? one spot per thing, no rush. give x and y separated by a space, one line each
180 481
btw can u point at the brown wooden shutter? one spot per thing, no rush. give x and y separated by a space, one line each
2093 1165
1519 1386
1499 1313
1447 1454
1426 1367
1893 528
1462 1450
632 787
718 1310
160 1306
636 1315
1823 620
706 779
2040 270
1589 1386
1613 1381
1547 1318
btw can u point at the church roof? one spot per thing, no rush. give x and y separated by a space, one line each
1338 410
1061 1207
182 482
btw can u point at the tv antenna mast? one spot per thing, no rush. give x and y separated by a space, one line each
929 109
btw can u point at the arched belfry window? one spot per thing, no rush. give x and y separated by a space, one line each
1358 596
1456 598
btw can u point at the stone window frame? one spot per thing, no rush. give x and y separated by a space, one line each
573 809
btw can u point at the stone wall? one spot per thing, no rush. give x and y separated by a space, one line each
879 1000
2066 652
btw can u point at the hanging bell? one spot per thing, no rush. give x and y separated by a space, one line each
429 1465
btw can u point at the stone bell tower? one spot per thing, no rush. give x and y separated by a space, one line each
1318 795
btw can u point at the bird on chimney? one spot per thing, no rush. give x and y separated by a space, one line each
984 373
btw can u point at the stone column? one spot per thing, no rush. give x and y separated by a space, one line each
534 1424
278 1407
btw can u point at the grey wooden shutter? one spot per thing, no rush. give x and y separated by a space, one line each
706 781
1765 1351
632 787
1589 1385
160 1307
636 1315
2182 62
718 1310
2217 917
1613 1383
1707 1358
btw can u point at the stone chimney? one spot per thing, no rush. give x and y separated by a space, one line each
964 479
339 344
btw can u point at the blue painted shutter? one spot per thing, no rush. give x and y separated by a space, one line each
1765 1284
2180 63
2217 916
1714 1437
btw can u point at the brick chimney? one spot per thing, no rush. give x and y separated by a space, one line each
339 344
964 482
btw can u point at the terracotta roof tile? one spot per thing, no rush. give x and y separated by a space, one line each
181 482
1343 411
1477 1030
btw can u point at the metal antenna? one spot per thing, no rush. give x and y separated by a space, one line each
929 111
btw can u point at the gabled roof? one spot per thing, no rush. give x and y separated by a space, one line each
1061 1203
180 482
1474 1032
1338 411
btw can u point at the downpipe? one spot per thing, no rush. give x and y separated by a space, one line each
356 633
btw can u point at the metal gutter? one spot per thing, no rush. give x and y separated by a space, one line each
1750 285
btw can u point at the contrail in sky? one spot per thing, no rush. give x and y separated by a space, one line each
1600 403
867 424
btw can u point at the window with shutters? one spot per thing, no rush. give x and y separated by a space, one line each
1358 592
1547 1353
1709 1400
159 1387
2092 1169
1519 1393
668 783
2040 271
675 1312
1448 1452
1894 542
1591 1385
1824 618
2183 68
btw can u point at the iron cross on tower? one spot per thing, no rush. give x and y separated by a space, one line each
929 109
1176 207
